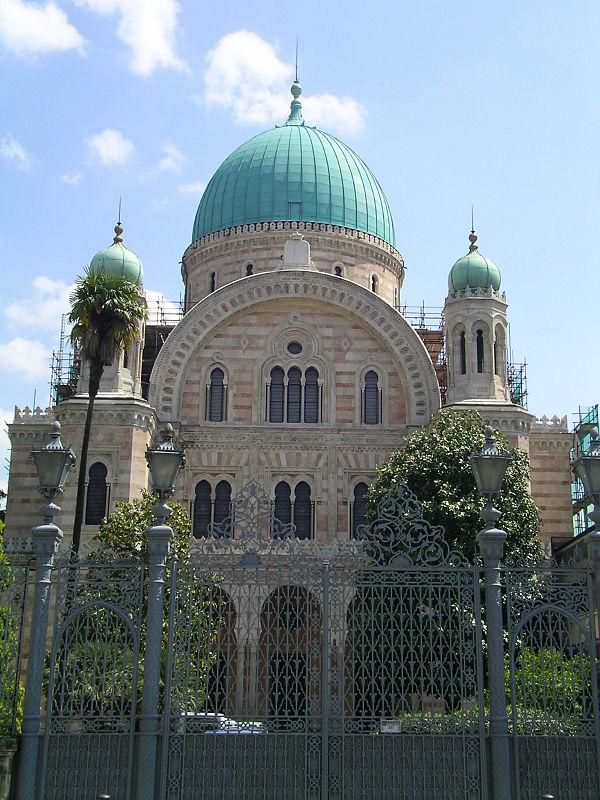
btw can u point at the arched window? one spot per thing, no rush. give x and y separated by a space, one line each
222 501
213 281
479 350
283 505
311 395
359 508
202 509
371 399
97 491
294 395
374 283
249 269
463 353
276 395
216 396
337 270
303 511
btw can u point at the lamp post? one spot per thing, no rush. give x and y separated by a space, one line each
489 467
164 463
52 464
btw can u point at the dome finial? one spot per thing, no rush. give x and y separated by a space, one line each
118 228
473 235
295 117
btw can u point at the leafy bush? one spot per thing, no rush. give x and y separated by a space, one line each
11 689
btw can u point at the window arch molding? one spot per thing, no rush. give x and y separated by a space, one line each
296 484
204 393
487 346
382 383
213 480
95 461
287 362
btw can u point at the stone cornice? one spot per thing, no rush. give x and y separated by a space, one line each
505 417
273 234
167 379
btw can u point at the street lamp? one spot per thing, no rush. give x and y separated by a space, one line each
488 468
52 464
164 463
587 469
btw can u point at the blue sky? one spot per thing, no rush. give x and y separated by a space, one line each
450 104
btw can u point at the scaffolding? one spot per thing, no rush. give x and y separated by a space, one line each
428 322
516 375
65 366
586 420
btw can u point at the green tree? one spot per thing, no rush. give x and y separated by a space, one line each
435 464
11 689
106 311
121 535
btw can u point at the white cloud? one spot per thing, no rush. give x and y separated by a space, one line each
343 114
29 28
161 310
245 76
27 357
147 27
42 308
72 178
13 151
172 160
192 188
110 147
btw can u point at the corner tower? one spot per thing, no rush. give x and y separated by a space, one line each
476 330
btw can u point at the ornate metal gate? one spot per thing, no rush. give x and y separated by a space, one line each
349 671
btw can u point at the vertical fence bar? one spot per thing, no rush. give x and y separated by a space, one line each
46 539
491 543
158 537
168 675
325 687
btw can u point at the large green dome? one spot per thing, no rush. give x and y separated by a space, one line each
296 173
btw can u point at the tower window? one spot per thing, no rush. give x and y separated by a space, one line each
216 393
374 283
338 271
294 395
213 281
249 269
311 396
276 394
202 509
358 515
283 503
97 493
303 511
371 399
480 351
463 353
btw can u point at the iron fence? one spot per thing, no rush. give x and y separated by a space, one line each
268 666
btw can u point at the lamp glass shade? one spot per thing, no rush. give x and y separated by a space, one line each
587 469
489 472
52 462
164 466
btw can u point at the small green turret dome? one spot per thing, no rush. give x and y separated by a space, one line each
474 270
294 173
116 259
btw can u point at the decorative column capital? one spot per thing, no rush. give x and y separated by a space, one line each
158 538
491 543
46 539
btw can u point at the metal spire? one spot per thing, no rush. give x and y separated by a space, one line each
473 235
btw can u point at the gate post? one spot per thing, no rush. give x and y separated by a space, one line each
592 541
46 539
158 537
491 543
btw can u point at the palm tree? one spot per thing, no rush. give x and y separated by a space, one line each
106 311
